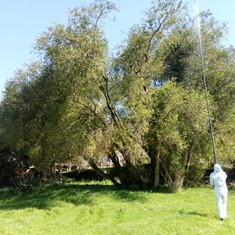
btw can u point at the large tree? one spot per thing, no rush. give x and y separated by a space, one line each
178 137
78 103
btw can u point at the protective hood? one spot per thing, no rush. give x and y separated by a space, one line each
217 168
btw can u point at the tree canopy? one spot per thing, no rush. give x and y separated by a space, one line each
145 105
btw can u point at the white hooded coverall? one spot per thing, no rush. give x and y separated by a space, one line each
218 180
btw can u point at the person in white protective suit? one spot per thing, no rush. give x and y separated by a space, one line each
218 181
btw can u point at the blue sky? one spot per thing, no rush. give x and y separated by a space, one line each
22 22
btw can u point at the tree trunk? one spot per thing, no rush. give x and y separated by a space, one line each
177 184
100 172
157 171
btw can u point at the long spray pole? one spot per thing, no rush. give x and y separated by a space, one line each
204 80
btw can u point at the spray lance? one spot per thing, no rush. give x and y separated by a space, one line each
197 20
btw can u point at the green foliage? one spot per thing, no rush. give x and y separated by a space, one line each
26 182
179 132
146 104
8 166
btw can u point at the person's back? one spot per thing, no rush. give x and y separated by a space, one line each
218 180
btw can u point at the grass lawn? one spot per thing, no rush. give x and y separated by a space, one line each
98 208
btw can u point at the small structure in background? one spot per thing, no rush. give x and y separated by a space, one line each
106 162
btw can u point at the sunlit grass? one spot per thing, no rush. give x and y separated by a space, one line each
99 208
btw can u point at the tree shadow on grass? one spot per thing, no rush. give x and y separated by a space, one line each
48 197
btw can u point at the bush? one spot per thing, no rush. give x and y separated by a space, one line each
26 182
85 175
8 165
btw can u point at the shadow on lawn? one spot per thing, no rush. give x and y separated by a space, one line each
193 213
78 194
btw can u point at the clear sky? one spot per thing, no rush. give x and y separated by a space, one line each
22 22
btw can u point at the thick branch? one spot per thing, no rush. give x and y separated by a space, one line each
100 172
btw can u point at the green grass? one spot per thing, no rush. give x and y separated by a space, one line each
98 208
